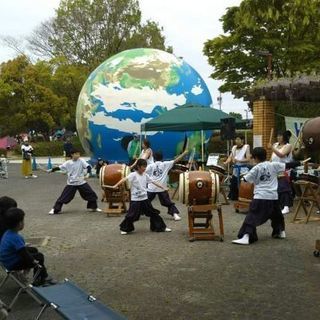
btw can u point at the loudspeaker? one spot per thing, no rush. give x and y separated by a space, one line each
228 129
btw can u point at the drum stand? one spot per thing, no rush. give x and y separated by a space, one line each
116 201
241 204
204 230
309 194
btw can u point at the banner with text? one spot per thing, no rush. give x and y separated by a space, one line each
294 125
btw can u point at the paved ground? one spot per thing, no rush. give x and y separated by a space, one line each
162 275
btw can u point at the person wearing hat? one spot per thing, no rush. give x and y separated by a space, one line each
27 152
134 148
77 170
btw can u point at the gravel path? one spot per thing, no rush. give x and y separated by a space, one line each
162 275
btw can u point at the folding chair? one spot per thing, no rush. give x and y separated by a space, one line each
21 280
72 303
3 311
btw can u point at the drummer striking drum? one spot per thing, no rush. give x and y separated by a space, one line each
140 204
240 155
75 169
282 152
265 204
158 172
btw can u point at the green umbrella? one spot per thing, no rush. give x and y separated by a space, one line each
189 117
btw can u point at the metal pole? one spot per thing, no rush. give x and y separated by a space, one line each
269 66
220 100
202 150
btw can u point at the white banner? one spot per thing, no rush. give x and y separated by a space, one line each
294 125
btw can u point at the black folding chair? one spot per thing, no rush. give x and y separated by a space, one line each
21 280
72 303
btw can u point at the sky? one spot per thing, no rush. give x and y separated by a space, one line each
187 25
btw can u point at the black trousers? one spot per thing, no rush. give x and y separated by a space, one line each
285 192
138 208
69 192
261 211
234 188
36 255
165 201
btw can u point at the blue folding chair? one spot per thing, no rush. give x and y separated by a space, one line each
23 283
72 303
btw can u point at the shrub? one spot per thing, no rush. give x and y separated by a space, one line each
53 148
3 151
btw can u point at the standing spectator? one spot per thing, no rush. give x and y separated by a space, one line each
27 152
99 165
67 148
133 148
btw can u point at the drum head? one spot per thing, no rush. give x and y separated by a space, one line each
101 176
184 187
126 171
215 179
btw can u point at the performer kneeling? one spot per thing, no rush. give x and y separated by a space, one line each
75 169
158 172
265 204
140 204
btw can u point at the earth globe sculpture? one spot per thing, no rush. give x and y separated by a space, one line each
129 89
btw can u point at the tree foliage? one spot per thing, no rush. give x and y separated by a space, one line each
39 96
83 33
90 31
288 29
236 115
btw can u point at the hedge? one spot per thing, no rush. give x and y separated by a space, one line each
53 148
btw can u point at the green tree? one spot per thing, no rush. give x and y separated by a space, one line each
67 81
90 31
287 29
236 115
27 100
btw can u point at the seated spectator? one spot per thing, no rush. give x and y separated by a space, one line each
5 204
15 255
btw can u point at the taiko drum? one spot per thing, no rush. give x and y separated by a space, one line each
246 191
199 187
113 173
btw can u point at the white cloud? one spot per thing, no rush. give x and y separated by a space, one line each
126 125
138 99
196 90
187 25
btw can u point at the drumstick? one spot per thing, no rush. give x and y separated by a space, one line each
41 168
298 140
306 160
271 136
107 186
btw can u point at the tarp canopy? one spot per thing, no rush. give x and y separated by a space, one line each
6 142
189 118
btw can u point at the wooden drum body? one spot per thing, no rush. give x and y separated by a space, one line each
175 172
309 178
246 191
113 173
218 169
199 187
311 134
